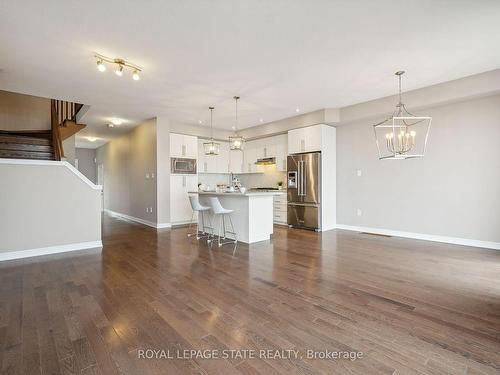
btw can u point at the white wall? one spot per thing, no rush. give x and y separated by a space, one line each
453 191
46 205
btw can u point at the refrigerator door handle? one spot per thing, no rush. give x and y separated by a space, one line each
303 204
301 173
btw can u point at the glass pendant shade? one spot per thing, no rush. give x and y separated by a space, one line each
236 141
211 147
402 135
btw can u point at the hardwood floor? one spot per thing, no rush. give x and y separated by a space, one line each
410 307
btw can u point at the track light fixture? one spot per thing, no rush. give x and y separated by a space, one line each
120 65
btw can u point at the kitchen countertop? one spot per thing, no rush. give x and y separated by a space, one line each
238 194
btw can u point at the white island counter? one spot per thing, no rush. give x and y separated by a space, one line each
252 216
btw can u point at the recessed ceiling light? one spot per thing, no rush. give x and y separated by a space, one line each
111 125
91 139
116 121
297 109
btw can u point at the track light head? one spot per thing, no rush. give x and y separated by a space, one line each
119 70
100 66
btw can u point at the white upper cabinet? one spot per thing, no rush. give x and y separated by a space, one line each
280 151
222 160
304 139
183 146
236 161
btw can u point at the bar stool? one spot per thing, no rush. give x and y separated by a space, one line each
197 207
222 212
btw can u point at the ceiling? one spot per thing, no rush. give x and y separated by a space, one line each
279 55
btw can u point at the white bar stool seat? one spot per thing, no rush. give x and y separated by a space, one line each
198 207
222 212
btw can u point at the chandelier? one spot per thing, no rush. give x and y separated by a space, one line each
211 147
236 141
403 134
120 64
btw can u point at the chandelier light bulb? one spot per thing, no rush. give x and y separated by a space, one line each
100 66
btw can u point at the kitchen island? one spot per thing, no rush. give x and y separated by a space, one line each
252 216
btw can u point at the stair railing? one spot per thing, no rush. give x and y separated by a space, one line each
61 111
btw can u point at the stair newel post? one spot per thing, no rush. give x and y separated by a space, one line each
56 138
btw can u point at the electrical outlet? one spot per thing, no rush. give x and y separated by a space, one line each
359 172
147 176
152 175
359 212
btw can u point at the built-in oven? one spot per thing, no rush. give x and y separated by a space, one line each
182 166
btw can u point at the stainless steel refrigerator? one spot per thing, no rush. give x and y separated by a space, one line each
304 190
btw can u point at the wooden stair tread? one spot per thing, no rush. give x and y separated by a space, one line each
19 154
8 138
26 147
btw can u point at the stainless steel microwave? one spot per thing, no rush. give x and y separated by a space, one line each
182 166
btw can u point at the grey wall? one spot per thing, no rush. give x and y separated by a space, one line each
126 160
60 210
86 162
23 112
453 191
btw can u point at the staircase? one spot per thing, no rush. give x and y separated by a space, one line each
26 145
43 144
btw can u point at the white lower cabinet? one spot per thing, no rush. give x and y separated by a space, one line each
180 208
279 209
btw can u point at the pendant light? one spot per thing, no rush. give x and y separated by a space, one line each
404 134
211 147
236 141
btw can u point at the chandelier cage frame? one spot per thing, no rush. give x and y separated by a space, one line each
211 147
401 141
236 142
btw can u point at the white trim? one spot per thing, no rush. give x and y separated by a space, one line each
163 225
138 220
19 254
425 237
52 163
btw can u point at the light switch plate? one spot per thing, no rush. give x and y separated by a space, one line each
359 212
359 172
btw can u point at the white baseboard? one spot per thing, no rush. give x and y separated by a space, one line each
138 220
10 255
426 237
163 225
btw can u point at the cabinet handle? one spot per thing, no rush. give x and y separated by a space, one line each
183 150
302 145
205 166
183 181
265 152
249 169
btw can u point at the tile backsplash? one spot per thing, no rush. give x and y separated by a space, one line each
269 178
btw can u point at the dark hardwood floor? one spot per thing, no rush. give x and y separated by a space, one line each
410 307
